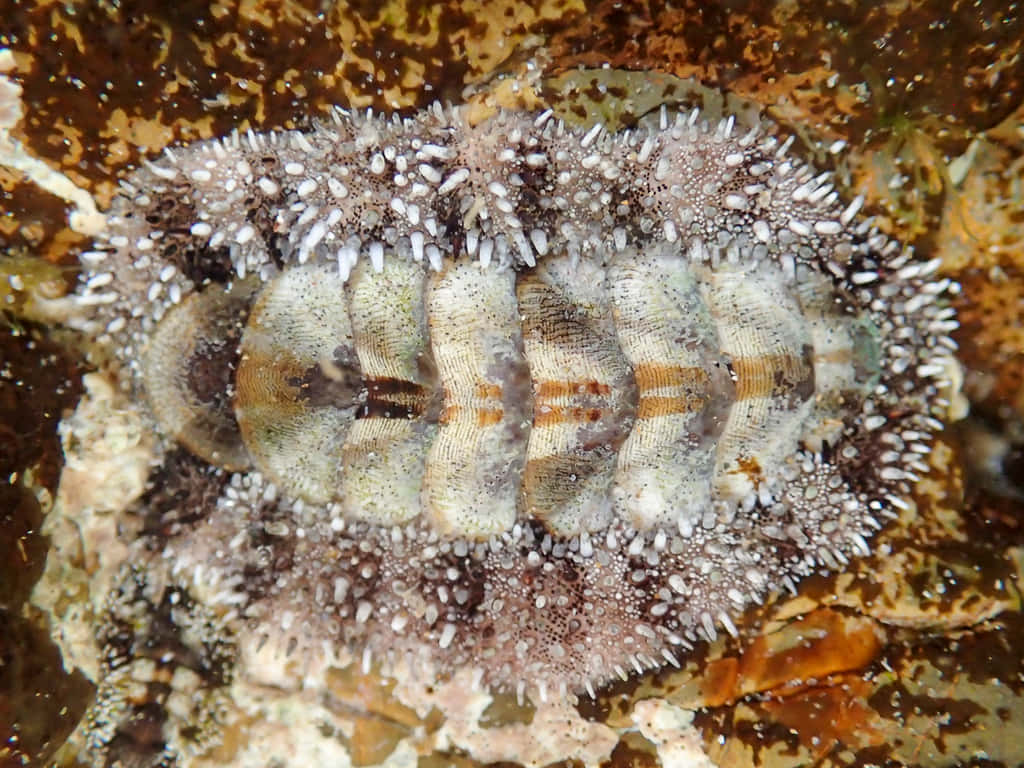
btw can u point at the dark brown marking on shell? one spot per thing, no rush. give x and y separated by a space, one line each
210 364
335 384
472 578
393 399
211 369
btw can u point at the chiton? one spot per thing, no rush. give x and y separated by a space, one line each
550 403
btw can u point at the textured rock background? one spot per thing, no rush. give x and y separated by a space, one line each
910 655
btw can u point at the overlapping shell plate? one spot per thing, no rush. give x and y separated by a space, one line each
546 403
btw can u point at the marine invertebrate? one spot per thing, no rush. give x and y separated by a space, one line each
549 403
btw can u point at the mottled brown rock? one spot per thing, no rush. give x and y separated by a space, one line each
991 334
829 61
39 702
106 84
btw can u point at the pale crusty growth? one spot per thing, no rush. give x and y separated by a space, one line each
548 403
